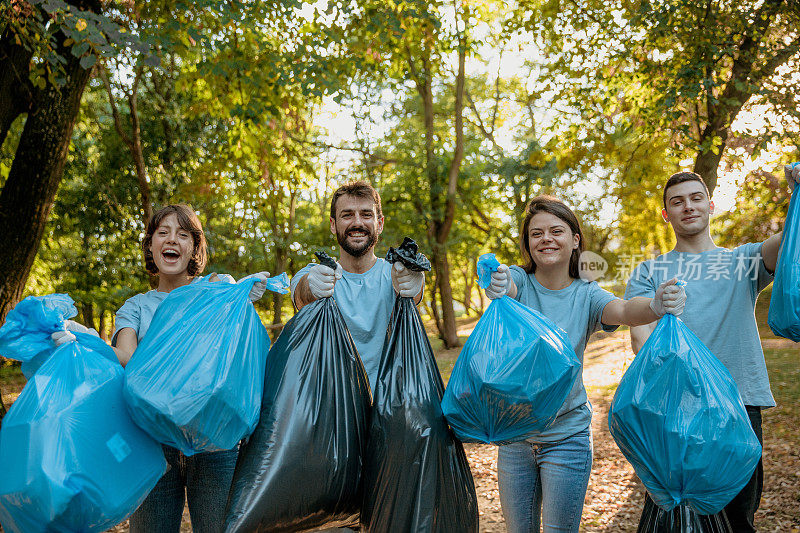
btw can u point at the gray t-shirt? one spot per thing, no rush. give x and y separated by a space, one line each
577 310
366 301
721 290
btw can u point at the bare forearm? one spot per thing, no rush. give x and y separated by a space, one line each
639 335
125 344
633 312
122 355
302 293
770 249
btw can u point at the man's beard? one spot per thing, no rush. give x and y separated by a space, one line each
341 238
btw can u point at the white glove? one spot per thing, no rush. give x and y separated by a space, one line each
321 280
409 282
259 288
792 173
498 287
62 337
71 325
670 298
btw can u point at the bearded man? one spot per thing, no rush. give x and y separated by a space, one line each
363 285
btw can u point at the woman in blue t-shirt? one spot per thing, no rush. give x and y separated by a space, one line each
174 247
544 479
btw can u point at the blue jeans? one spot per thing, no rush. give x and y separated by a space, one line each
207 479
544 483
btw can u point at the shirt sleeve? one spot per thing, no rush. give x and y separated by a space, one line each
518 276
640 283
128 316
296 278
761 276
600 298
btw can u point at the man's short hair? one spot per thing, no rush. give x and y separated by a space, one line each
360 189
681 177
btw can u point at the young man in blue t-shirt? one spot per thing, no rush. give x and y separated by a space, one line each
722 287
364 285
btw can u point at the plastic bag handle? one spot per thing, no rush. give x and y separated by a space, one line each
279 283
326 260
487 263
408 253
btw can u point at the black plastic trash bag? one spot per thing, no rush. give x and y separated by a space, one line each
301 468
416 475
681 519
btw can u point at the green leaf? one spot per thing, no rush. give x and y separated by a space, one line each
88 61
81 48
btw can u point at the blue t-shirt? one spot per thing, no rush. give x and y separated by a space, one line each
366 301
137 311
721 290
577 310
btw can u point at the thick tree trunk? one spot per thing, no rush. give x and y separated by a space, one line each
29 191
15 87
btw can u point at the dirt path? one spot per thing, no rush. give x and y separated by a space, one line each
614 499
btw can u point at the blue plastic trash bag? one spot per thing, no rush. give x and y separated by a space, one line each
512 376
784 307
678 418
72 458
195 380
25 336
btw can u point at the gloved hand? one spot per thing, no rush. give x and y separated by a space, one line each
71 325
792 173
321 280
259 288
498 287
409 282
670 298
62 337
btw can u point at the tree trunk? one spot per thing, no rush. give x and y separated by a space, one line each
449 333
105 334
132 139
469 282
138 157
87 315
29 191
442 206
747 74
15 87
435 309
281 255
